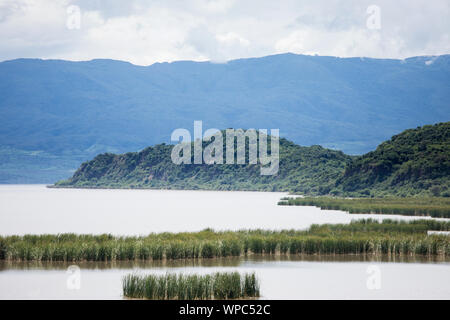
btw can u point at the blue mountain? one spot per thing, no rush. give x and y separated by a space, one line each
55 114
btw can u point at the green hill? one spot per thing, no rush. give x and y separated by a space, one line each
301 169
415 162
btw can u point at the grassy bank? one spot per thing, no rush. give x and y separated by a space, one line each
359 237
433 207
229 285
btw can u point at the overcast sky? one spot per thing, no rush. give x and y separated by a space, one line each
144 32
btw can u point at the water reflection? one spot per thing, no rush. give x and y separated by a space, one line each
216 262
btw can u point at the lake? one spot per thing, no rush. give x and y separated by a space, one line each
35 209
280 277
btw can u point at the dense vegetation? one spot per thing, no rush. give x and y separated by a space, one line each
417 161
220 285
413 163
301 169
433 207
358 237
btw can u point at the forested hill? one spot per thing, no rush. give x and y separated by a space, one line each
415 162
301 169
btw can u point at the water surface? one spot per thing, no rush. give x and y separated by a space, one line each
35 209
342 277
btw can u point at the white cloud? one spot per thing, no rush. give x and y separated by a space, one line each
347 43
144 32
232 38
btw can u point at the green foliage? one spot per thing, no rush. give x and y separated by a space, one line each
358 237
220 285
415 162
433 207
302 169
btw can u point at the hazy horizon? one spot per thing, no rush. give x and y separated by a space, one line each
227 61
142 32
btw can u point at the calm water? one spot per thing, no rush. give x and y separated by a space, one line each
35 209
280 278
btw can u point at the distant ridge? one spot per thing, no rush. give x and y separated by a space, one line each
55 113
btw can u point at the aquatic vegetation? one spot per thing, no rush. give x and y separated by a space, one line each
359 237
230 285
433 207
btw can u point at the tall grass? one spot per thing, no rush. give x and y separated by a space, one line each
433 207
231 285
359 237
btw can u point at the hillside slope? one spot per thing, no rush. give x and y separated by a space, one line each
301 169
69 111
416 161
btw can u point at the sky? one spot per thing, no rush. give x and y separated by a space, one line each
145 32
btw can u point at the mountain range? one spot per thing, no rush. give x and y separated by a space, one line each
54 114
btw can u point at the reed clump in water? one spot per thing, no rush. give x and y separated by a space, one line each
433 207
359 237
229 285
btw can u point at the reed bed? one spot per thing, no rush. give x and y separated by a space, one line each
359 237
230 285
433 207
